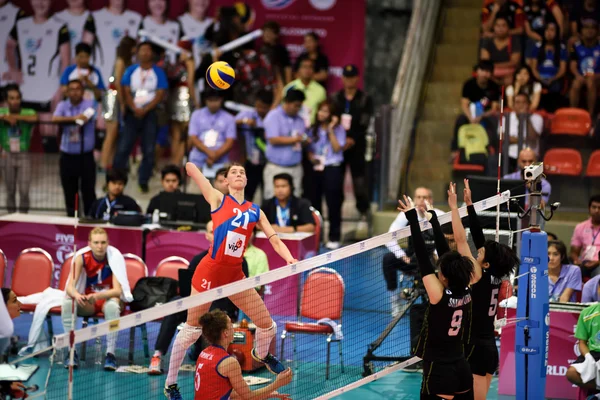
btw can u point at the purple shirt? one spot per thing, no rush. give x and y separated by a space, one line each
322 147
212 130
590 290
570 277
279 124
588 238
70 141
253 153
546 188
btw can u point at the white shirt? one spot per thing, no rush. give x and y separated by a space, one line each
399 223
6 327
8 17
170 32
537 88
196 30
538 126
75 24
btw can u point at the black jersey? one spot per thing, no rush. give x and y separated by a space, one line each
442 335
484 308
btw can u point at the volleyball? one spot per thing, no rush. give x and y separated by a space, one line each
220 75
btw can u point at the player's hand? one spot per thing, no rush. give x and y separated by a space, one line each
452 202
17 390
467 193
406 205
91 298
292 261
428 206
283 378
282 396
80 299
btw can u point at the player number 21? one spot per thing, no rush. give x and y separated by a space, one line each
240 214
455 323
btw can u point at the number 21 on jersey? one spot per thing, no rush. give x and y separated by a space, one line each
240 215
455 323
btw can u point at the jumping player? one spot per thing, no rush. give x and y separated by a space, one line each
234 219
446 372
219 375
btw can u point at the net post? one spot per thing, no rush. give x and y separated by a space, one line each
73 318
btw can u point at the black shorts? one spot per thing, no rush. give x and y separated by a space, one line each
581 359
446 377
483 358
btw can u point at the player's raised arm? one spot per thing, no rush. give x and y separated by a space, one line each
278 245
441 245
212 195
476 231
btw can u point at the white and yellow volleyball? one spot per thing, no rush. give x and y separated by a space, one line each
220 75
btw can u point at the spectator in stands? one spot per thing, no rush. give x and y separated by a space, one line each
277 53
327 157
144 86
564 280
170 180
220 182
522 123
585 65
479 103
255 73
312 51
503 50
78 139
10 304
538 14
289 213
548 62
587 333
114 201
314 93
591 290
284 131
397 258
251 126
16 126
508 9
526 158
524 82
90 76
582 11
585 244
356 107
212 133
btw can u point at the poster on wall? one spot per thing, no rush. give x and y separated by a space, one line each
38 37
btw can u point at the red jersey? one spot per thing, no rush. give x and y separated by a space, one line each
209 383
99 275
233 226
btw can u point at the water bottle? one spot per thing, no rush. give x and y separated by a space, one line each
371 139
156 216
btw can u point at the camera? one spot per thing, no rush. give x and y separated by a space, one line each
533 171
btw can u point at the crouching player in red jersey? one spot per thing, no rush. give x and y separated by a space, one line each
234 219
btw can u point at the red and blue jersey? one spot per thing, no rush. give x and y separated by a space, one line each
98 273
208 382
233 227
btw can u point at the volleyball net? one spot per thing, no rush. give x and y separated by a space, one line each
329 310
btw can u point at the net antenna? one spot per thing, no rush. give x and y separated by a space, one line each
72 273
501 137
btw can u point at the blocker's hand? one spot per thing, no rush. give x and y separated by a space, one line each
467 194
452 202
406 205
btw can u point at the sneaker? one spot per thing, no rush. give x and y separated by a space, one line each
271 362
416 367
67 361
332 245
144 188
155 366
110 362
362 225
172 392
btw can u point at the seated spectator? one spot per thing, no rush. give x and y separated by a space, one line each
583 10
479 103
585 244
276 52
524 82
522 123
503 50
508 9
326 154
526 158
564 280
538 14
548 62
591 290
82 70
114 201
170 180
289 213
585 65
551 236
212 133
10 304
312 51
587 332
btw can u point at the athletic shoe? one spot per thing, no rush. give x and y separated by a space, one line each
110 362
271 362
332 245
155 366
67 361
172 392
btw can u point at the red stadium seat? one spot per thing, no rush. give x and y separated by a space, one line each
318 227
457 166
571 121
563 162
32 273
322 297
169 267
593 166
3 264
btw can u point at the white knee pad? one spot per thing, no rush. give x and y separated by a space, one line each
112 309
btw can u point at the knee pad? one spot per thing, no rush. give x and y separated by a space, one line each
112 309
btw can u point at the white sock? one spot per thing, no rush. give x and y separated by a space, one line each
112 310
184 339
157 353
264 337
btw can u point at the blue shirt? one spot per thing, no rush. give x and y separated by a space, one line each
212 130
570 277
93 73
546 187
70 141
588 58
548 68
322 147
279 124
590 290
254 153
144 83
